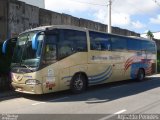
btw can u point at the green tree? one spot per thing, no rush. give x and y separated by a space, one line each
150 35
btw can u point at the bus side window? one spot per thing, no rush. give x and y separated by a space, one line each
118 43
100 41
72 41
65 49
149 46
50 52
133 44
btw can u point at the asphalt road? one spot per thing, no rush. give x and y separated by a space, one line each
99 102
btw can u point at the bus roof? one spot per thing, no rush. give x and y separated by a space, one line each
136 37
43 28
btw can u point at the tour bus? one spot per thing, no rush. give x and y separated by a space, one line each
55 58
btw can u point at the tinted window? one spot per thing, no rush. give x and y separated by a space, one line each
145 44
133 44
118 43
72 41
50 55
99 41
148 46
152 47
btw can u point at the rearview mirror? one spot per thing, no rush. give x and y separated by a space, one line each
6 43
4 46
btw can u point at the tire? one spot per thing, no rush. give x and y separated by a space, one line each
78 83
140 75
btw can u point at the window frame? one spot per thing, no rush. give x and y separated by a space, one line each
119 37
62 39
139 48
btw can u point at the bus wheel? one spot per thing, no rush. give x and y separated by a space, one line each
140 75
78 83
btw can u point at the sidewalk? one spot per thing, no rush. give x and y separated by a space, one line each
156 75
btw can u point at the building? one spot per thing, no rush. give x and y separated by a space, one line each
156 35
38 3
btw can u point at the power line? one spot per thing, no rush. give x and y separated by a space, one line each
88 3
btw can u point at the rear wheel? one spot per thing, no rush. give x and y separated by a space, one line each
78 83
140 75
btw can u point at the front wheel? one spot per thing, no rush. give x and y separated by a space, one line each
78 83
140 75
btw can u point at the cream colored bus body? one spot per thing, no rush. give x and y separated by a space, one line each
99 66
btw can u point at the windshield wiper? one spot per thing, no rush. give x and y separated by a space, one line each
28 67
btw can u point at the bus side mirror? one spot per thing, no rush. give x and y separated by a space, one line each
6 42
35 41
4 46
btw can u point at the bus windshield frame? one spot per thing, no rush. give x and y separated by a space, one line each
24 55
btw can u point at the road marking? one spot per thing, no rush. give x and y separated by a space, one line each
106 117
58 99
110 116
120 86
119 112
38 103
97 101
50 101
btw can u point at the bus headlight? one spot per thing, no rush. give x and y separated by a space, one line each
32 82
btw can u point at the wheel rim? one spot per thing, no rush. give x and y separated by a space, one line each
78 83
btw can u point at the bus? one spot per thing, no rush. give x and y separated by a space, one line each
5 62
59 57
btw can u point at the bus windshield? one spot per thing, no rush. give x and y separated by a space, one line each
24 55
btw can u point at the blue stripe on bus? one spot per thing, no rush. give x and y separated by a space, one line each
97 78
100 73
103 78
100 76
96 82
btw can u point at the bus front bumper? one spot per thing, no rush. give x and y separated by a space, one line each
29 89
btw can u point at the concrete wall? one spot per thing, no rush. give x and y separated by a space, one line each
45 17
21 16
89 24
31 18
3 20
56 18
16 13
69 20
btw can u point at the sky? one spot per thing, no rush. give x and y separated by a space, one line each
39 3
136 15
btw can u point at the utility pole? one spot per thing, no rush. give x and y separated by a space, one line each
109 16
